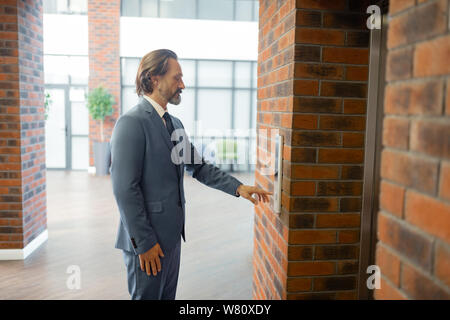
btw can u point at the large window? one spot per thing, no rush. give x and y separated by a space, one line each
239 10
219 103
67 123
65 6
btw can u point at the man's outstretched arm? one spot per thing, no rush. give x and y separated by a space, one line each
213 177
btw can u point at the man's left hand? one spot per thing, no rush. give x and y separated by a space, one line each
247 192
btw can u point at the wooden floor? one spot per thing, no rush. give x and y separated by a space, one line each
216 259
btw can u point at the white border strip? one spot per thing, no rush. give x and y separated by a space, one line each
21 254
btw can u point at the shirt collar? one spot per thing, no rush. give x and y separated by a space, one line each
156 105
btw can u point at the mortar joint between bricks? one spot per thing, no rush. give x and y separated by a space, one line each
444 95
439 180
433 254
416 81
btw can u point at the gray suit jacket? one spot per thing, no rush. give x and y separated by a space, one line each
145 180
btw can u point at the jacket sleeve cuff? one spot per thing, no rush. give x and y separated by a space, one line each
143 246
235 192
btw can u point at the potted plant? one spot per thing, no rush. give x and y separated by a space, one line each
99 103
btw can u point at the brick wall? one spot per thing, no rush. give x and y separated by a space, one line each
413 251
22 146
312 86
104 61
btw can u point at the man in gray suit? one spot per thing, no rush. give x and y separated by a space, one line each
149 152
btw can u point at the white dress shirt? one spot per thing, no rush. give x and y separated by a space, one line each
157 107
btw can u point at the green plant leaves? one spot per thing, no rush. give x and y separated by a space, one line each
99 103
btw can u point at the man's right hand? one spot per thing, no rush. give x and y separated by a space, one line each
150 259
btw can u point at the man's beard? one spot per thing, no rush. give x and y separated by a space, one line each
172 99
176 98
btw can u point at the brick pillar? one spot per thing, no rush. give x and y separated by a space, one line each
23 224
413 251
312 86
104 62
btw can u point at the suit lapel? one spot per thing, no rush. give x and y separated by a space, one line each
159 125
157 122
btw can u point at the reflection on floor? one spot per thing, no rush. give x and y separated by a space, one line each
216 259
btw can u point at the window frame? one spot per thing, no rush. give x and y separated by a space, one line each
254 5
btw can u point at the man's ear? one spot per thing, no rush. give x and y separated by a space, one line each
154 80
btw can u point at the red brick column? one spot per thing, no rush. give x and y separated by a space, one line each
22 146
104 61
312 86
413 251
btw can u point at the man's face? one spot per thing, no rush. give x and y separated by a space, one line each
171 84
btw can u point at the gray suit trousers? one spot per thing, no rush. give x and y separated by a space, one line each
163 286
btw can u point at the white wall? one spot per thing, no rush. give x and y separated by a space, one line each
65 34
190 39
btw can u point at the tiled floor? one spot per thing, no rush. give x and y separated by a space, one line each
216 259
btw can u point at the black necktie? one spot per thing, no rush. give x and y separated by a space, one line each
169 125
170 129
